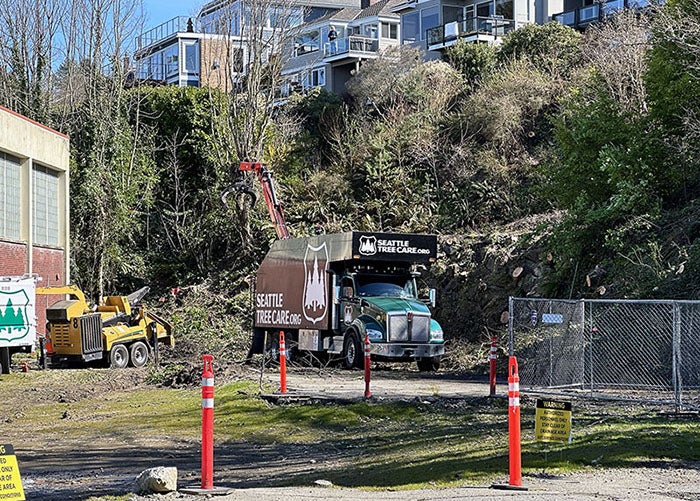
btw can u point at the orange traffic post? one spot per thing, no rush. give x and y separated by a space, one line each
515 481
493 356
368 349
207 485
208 422
514 423
283 364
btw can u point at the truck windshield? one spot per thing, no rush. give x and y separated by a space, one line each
388 289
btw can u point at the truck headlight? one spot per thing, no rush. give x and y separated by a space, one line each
374 335
436 334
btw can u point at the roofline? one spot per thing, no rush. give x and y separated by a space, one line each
27 119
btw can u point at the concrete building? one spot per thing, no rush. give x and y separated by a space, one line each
34 203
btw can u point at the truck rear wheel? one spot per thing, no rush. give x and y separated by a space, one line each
352 351
428 364
118 356
139 354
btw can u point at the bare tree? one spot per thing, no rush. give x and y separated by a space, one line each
618 49
28 32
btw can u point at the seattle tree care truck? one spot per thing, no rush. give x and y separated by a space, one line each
328 292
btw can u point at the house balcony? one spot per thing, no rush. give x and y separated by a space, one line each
163 32
584 16
476 29
349 48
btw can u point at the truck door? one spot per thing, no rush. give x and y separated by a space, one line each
348 302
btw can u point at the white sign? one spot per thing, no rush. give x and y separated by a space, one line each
17 312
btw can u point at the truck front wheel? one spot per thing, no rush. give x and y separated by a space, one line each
428 364
118 356
352 351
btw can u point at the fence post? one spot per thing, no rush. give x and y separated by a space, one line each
676 355
511 336
493 355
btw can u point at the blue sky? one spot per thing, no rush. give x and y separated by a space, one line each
159 11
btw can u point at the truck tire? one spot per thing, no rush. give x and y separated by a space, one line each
352 351
118 356
138 354
428 364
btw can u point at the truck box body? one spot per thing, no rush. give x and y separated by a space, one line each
293 286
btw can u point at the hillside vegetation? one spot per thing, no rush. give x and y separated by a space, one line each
557 165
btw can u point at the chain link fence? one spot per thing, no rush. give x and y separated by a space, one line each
647 351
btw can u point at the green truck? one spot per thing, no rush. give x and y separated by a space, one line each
327 293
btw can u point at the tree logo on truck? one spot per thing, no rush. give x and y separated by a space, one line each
368 245
315 264
14 321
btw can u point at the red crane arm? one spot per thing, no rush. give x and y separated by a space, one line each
274 208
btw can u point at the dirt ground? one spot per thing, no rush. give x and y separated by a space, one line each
69 469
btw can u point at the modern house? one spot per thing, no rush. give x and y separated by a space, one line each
34 203
213 49
434 25
579 14
361 34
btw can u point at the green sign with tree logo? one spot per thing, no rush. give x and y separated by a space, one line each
16 312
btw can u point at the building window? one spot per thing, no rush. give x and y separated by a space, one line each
191 51
9 196
484 9
45 205
504 8
318 77
390 31
410 27
429 18
451 14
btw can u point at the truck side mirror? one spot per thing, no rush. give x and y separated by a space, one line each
432 295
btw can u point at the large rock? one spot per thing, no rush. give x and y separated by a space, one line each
160 480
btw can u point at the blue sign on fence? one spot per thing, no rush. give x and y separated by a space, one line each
552 318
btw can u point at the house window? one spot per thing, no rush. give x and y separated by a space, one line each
45 205
451 14
410 27
390 31
191 50
171 60
9 196
484 9
318 77
429 18
504 8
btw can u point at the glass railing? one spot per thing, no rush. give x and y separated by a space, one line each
613 6
593 13
162 31
566 18
351 44
494 26
588 14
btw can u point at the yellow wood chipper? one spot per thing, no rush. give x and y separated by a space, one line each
119 331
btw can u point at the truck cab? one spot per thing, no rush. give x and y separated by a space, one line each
329 293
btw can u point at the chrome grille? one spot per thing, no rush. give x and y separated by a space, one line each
420 331
400 329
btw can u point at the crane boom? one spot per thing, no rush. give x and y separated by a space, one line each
274 207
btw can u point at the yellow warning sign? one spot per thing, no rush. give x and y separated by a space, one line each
553 421
10 481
